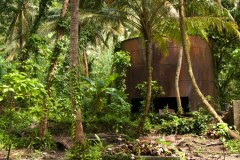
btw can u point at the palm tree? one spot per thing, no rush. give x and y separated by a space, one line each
95 32
51 70
147 17
156 19
186 44
42 11
74 72
20 26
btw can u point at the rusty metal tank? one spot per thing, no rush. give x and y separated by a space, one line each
164 69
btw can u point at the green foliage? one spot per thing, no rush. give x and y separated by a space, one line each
21 100
45 143
5 67
221 130
233 146
38 44
17 86
86 151
121 61
101 65
156 89
63 23
226 53
172 124
17 127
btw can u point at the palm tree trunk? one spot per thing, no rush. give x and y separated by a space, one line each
52 68
73 58
149 88
79 135
185 44
178 96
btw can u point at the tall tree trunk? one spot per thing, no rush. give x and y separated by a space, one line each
178 96
51 70
74 76
186 46
149 88
85 62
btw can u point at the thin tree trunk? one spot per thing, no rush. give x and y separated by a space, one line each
73 58
185 43
52 68
9 151
21 30
178 96
85 62
149 88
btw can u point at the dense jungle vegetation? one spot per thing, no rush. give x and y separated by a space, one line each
62 72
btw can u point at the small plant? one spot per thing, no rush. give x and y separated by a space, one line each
233 146
156 92
45 143
172 124
121 61
86 151
220 130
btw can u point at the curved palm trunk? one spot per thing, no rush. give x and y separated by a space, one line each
73 58
185 43
178 96
149 88
51 70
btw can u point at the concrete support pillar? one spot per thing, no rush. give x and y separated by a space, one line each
236 113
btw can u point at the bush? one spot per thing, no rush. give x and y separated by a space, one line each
233 146
45 143
87 151
172 124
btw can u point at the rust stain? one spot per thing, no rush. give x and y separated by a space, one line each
164 69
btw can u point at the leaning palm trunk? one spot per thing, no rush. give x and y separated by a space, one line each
52 68
74 73
149 88
185 44
179 64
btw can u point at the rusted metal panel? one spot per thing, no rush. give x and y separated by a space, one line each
164 69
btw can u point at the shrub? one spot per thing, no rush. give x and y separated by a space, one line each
171 124
87 151
233 146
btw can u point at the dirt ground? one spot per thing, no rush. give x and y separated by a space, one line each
194 147
203 148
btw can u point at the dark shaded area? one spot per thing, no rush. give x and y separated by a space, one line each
60 146
161 103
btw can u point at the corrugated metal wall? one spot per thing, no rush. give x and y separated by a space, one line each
164 69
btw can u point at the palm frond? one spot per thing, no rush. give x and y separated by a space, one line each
161 43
